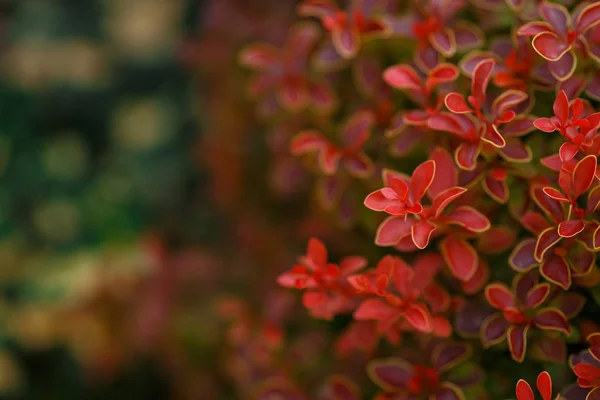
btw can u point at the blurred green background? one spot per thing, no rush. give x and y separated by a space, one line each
98 119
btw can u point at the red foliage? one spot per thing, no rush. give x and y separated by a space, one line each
483 189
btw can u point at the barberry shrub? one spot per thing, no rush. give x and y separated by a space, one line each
459 141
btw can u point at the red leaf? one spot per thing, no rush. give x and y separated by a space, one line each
593 200
316 252
356 129
557 270
313 299
259 56
493 330
544 385
546 240
550 46
402 77
499 296
507 101
441 74
537 295
457 103
517 341
329 159
391 374
544 124
466 156
346 42
374 309
449 123
594 341
570 228
555 194
583 175
478 280
569 303
567 151
497 190
444 198
467 36
460 257
492 136
561 107
556 14
521 258
392 230
563 68
469 218
418 316
496 240
446 175
444 42
551 207
481 77
307 141
524 391
533 28
421 232
352 264
421 179
445 356
377 201
588 17
340 387
552 319
587 372
359 165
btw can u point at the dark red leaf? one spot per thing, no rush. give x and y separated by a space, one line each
552 319
556 269
517 341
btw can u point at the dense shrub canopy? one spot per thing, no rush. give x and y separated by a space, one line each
454 145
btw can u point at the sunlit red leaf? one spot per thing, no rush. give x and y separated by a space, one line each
392 230
524 391
402 77
421 232
418 316
499 296
375 309
457 103
421 179
544 124
583 175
